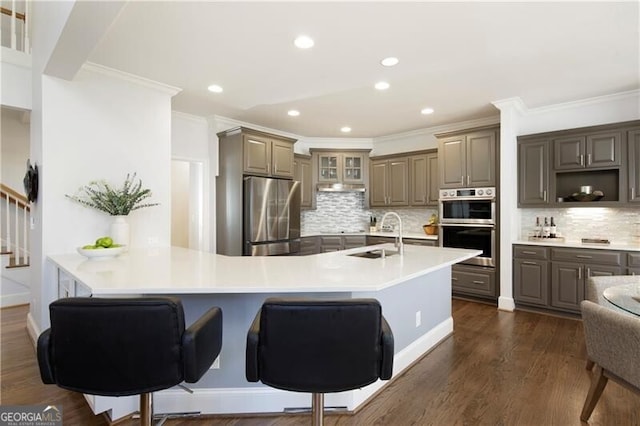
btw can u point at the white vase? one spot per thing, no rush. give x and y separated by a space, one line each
119 231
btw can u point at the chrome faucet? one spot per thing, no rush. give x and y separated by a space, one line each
399 244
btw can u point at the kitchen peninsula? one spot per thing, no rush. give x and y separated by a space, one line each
414 290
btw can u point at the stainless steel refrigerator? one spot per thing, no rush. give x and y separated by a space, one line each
271 217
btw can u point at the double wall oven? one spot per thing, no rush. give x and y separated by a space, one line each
468 220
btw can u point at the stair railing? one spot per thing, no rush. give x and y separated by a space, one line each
14 218
19 23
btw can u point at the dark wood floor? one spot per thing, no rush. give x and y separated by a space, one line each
498 368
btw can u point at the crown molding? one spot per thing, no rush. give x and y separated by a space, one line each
195 118
445 128
630 94
220 124
141 81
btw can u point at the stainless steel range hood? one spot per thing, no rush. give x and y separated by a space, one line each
341 187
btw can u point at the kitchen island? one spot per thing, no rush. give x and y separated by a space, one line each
414 291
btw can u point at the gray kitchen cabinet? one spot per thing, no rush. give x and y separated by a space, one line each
423 179
571 268
554 278
389 182
599 149
330 243
468 159
302 172
531 275
353 241
341 242
347 167
474 281
633 139
263 154
633 263
309 245
420 242
372 240
533 173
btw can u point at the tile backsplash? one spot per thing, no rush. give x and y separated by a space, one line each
619 225
345 211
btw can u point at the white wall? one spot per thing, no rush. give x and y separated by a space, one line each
14 148
102 125
16 79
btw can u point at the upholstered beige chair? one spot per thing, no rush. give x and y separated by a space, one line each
613 344
596 287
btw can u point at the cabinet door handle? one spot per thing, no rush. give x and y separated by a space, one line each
588 272
583 256
478 282
579 273
633 193
267 167
581 159
529 263
462 180
544 195
528 252
468 180
454 279
588 159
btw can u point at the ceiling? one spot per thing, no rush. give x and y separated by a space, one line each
454 57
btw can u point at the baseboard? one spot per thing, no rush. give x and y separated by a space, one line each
7 300
261 399
506 304
32 329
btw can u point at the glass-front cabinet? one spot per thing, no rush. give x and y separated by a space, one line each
341 167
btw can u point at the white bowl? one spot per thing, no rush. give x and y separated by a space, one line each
103 253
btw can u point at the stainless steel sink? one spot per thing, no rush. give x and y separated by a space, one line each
374 254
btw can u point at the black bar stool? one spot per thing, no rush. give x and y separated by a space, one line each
119 347
319 346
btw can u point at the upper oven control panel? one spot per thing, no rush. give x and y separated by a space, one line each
486 193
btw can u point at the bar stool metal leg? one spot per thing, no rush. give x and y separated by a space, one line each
146 409
317 409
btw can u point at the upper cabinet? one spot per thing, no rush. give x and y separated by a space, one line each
633 137
341 167
553 166
600 149
533 172
263 154
468 159
302 172
423 179
389 182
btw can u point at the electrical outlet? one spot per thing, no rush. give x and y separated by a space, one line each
418 318
216 364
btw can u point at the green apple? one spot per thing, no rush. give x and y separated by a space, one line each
104 242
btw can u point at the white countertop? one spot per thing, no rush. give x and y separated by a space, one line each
579 244
412 235
174 270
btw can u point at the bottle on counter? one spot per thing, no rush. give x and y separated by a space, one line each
372 224
552 229
546 229
538 230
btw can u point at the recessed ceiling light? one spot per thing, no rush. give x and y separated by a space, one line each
215 88
345 129
390 61
382 85
293 113
303 42
427 111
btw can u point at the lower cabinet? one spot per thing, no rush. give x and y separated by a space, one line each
473 281
556 278
309 245
329 243
371 240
